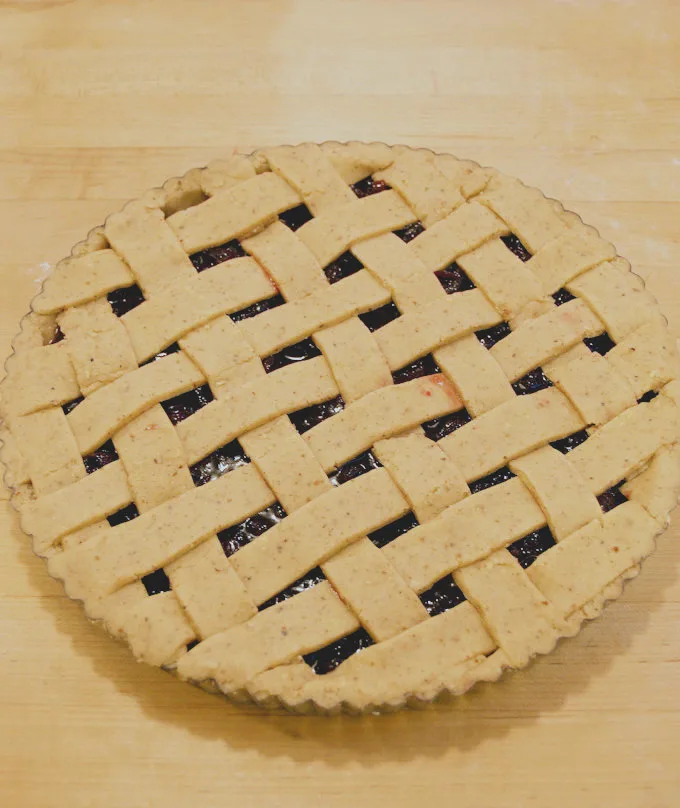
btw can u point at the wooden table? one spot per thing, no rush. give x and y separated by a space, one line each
100 100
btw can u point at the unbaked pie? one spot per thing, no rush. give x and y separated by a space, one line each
343 426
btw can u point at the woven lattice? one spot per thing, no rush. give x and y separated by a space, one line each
340 398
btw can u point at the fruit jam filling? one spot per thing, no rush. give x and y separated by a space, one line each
361 464
426 366
237 536
515 246
217 255
454 279
293 353
439 428
527 549
328 658
369 186
257 308
220 462
373 320
124 300
186 404
442 596
534 381
410 232
344 266
310 579
311 416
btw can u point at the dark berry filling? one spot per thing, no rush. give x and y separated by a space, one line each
220 462
373 320
257 308
529 548
369 186
534 380
237 536
612 498
410 232
343 267
217 255
186 404
296 217
327 659
293 353
495 478
650 395
310 579
100 457
442 596
601 344
562 296
515 246
425 366
359 465
311 416
156 582
123 300
490 336
125 514
439 428
565 445
171 349
58 336
71 405
454 279
390 532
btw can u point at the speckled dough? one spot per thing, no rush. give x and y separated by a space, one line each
473 414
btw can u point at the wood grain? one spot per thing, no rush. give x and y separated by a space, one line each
100 100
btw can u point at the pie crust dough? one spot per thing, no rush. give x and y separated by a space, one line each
625 400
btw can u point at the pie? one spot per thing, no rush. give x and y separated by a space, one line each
343 426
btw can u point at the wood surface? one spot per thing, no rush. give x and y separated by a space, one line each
100 100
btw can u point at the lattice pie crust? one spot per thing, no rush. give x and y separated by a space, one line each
343 426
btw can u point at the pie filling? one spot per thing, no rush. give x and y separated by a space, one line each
515 246
562 296
106 453
565 445
342 267
257 308
369 186
389 532
237 536
309 579
410 232
186 404
495 478
454 279
222 460
328 658
444 594
126 299
361 464
156 582
125 514
308 417
534 381
527 549
439 428
217 255
373 320
293 353
171 349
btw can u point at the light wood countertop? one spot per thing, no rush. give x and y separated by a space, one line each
100 100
